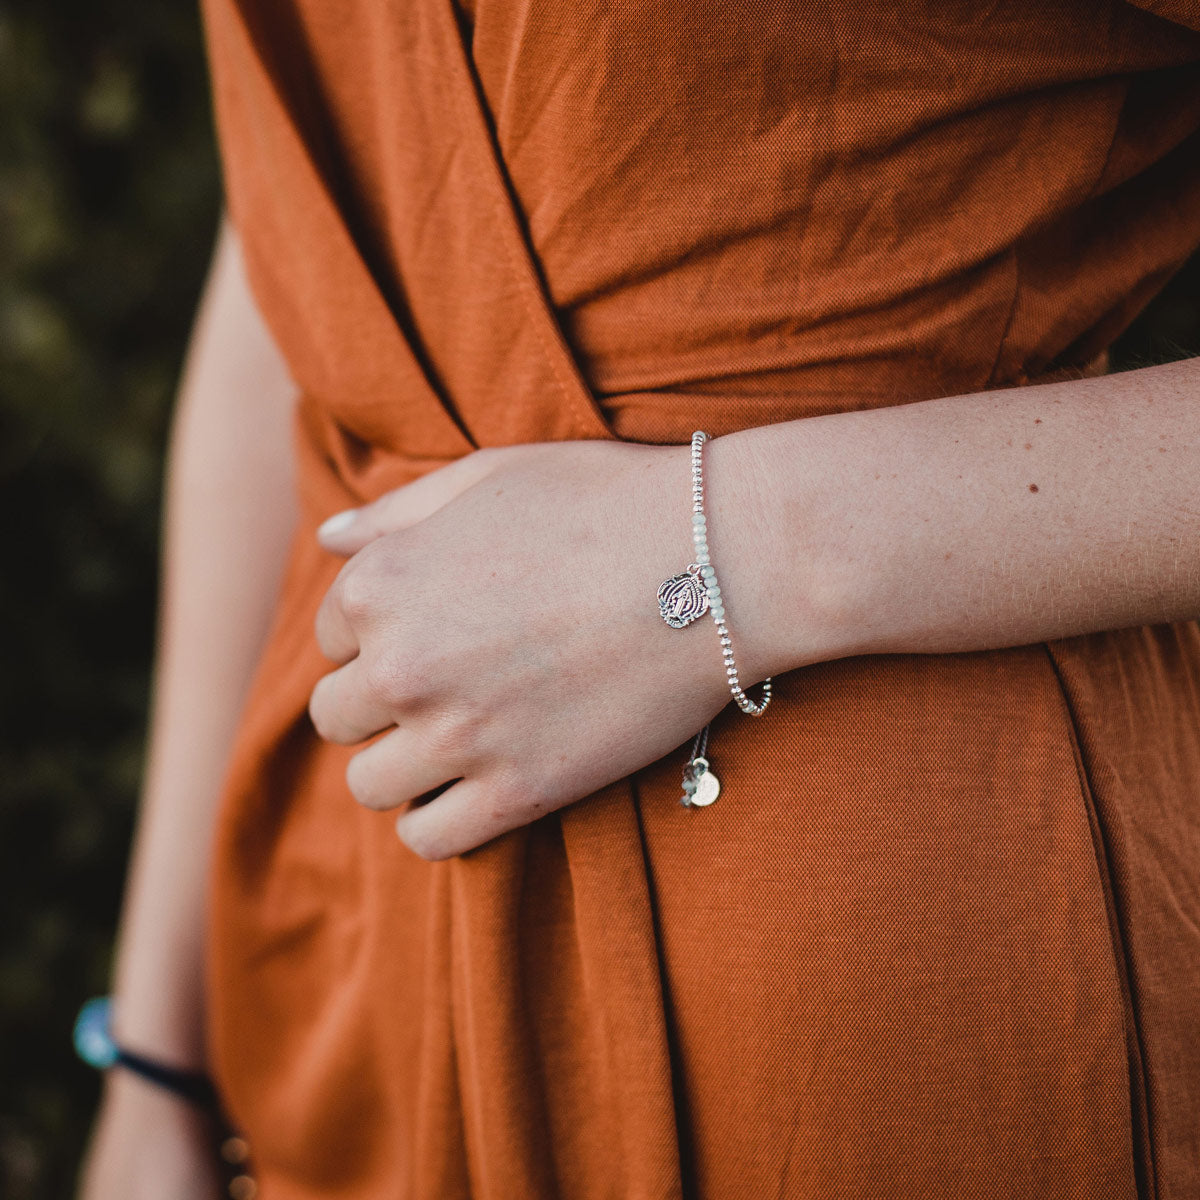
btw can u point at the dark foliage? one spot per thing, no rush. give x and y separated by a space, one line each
108 204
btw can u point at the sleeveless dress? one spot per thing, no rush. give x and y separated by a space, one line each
941 935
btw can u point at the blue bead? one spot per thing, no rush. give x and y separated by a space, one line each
92 1038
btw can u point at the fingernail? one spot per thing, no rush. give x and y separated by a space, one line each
338 523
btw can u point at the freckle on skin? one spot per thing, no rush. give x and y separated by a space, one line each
1037 420
1009 442
1033 487
1028 445
947 554
1162 449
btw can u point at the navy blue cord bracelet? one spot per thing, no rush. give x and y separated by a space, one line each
94 1043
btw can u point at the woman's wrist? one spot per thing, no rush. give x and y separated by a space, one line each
768 531
169 1027
97 1044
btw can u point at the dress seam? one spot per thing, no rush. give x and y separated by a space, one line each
504 215
1002 344
1143 1147
685 1155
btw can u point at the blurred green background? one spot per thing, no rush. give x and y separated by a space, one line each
109 195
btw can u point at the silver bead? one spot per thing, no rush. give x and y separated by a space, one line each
709 589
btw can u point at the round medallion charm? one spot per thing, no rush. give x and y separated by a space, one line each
683 598
707 790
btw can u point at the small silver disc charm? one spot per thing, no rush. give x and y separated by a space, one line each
683 598
700 786
708 788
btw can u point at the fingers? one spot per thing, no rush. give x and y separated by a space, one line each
335 634
346 707
467 815
396 769
348 532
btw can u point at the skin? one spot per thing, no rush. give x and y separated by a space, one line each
496 621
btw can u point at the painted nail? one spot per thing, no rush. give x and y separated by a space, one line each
338 523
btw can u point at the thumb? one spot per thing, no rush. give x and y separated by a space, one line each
348 532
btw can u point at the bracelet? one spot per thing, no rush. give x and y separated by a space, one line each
95 1044
684 598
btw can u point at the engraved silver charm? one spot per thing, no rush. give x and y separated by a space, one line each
700 786
682 599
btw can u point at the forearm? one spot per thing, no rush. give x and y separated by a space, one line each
229 516
974 522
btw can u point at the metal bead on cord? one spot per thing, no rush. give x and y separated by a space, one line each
712 588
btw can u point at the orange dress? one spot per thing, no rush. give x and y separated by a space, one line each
941 935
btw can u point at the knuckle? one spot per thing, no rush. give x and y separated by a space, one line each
454 735
511 789
388 682
318 710
356 595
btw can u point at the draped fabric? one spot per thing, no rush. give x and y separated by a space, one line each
941 935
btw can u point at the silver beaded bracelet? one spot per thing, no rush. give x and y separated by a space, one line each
684 598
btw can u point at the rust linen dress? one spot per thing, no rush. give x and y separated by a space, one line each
941 935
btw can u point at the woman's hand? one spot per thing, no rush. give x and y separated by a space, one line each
497 623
